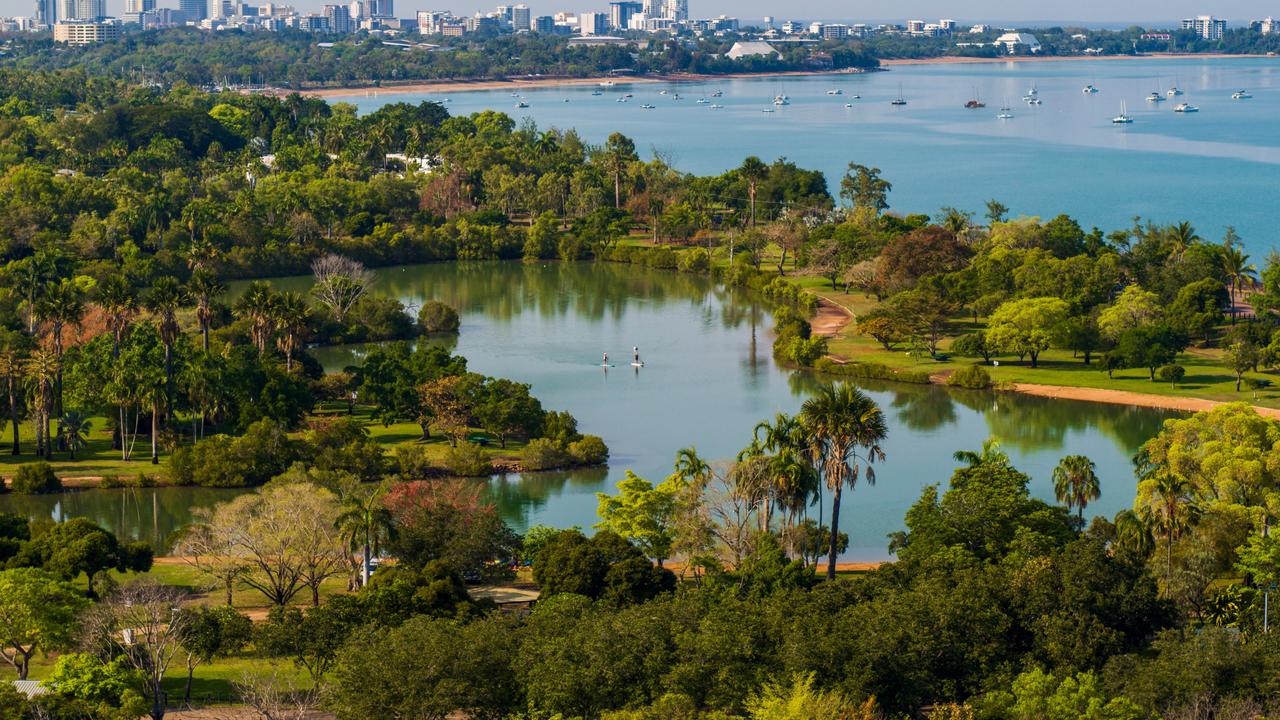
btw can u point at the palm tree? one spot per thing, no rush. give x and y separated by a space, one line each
13 358
689 467
1075 483
1169 510
154 395
1132 533
62 305
840 422
164 300
366 525
75 427
793 480
257 305
991 454
1240 273
291 316
119 301
1181 236
42 370
204 287
754 171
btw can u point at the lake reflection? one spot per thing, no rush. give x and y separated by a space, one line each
709 378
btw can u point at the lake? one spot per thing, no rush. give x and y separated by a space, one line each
1215 168
708 379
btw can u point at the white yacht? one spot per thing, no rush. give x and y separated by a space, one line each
718 93
647 106
1005 114
1089 89
717 107
1174 91
1154 97
597 93
781 100
522 104
1241 95
1123 118
837 91
1185 108
703 101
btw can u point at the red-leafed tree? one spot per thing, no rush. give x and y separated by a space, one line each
449 520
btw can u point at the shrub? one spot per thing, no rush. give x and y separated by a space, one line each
1171 374
467 459
590 450
36 478
695 261
436 317
970 376
801 351
875 371
662 258
544 454
263 452
413 462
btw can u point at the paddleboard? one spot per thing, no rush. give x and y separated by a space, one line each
639 364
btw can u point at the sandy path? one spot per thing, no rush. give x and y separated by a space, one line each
830 319
1125 397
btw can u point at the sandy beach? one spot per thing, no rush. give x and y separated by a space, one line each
517 84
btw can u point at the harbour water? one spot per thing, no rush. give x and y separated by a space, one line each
1215 168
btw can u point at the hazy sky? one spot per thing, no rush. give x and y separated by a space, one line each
1097 11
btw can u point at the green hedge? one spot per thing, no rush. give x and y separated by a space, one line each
874 371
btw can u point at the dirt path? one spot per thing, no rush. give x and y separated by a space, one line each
830 319
1125 397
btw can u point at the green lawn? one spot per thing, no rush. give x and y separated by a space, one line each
98 459
1206 377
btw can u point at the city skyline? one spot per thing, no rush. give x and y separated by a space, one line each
750 11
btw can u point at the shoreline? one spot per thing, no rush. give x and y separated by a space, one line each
443 86
451 86
832 318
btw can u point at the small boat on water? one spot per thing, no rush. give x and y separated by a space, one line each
596 93
848 105
662 92
607 83
836 91
1155 98
1185 108
522 104
647 106
621 100
1034 101
1174 91
1241 95
781 100
767 110
702 101
1005 114
976 102
899 100
718 93
717 107
628 95
1089 89
1123 118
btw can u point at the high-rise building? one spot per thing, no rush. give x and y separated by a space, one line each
677 10
521 18
593 23
83 9
217 10
652 8
1207 27
380 8
544 24
1269 26
133 9
194 10
46 13
339 17
620 13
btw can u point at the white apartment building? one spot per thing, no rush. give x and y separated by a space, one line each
1206 26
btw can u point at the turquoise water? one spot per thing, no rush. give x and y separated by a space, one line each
708 379
1215 168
